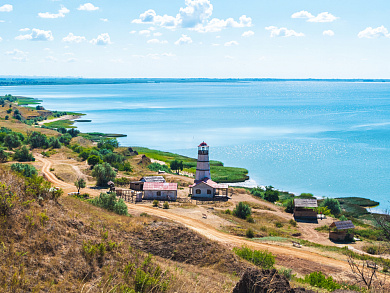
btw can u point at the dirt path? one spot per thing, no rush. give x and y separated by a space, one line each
66 117
296 257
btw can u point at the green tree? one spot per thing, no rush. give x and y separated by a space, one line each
66 138
24 169
37 140
176 165
242 210
12 140
54 143
332 204
289 205
94 160
103 173
23 155
6 117
3 155
257 191
108 143
271 194
80 183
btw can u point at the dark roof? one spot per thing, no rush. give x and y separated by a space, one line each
202 144
153 179
343 225
305 203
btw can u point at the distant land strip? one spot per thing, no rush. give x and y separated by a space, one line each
12 81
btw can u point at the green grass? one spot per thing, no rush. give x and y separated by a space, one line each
61 124
27 101
219 173
97 136
356 206
364 202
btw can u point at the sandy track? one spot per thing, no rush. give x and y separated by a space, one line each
299 257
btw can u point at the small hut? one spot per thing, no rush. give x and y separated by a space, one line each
304 208
341 231
136 185
160 191
159 179
111 185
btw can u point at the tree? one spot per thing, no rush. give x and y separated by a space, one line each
289 205
24 169
23 155
257 191
12 140
242 210
93 160
271 194
3 155
332 204
176 165
80 183
37 140
108 143
66 138
54 143
103 173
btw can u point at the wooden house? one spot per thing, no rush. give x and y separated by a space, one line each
160 191
341 231
304 208
136 185
139 185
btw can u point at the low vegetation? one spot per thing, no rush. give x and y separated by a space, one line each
110 202
262 259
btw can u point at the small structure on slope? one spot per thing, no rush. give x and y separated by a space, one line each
304 208
204 188
341 231
159 179
160 191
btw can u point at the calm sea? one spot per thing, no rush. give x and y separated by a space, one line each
327 138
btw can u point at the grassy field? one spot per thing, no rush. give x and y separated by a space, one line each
28 101
356 206
219 173
60 124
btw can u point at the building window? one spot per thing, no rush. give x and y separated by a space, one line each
158 193
208 191
198 191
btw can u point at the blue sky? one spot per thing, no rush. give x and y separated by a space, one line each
196 38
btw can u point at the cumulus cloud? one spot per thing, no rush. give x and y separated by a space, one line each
24 29
1 39
184 39
247 34
104 19
231 43
102 40
328 33
196 15
88 7
372 33
158 34
18 55
144 33
51 59
156 41
6 8
283 32
321 17
61 13
71 38
37 35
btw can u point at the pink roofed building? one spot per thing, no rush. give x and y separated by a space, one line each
160 191
205 188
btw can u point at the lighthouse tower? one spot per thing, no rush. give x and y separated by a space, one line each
203 165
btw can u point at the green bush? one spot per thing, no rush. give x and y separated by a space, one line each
289 206
257 191
3 155
318 279
24 169
155 167
242 210
166 205
103 174
263 259
12 140
94 160
111 203
332 204
292 223
249 233
271 194
278 224
155 203
38 140
23 155
250 219
286 272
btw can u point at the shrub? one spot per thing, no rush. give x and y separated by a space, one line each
7 199
271 194
249 233
263 259
318 279
122 181
158 167
343 218
23 155
24 169
292 223
93 160
250 219
155 203
242 210
324 211
3 155
289 206
80 183
37 140
228 212
111 203
257 191
166 205
12 140
333 205
103 173
286 272
278 224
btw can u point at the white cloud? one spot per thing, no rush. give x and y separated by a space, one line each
328 33
71 38
158 34
1 21
372 33
37 35
102 40
144 33
1 39
24 29
18 55
88 7
195 16
72 60
6 8
61 13
156 41
51 59
104 19
231 43
116 60
321 17
283 32
184 39
133 32
247 34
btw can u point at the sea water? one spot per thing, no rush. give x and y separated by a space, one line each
328 138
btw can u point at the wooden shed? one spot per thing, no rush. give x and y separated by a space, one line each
136 185
159 179
304 208
341 231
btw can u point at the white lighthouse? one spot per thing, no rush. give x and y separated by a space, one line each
203 165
